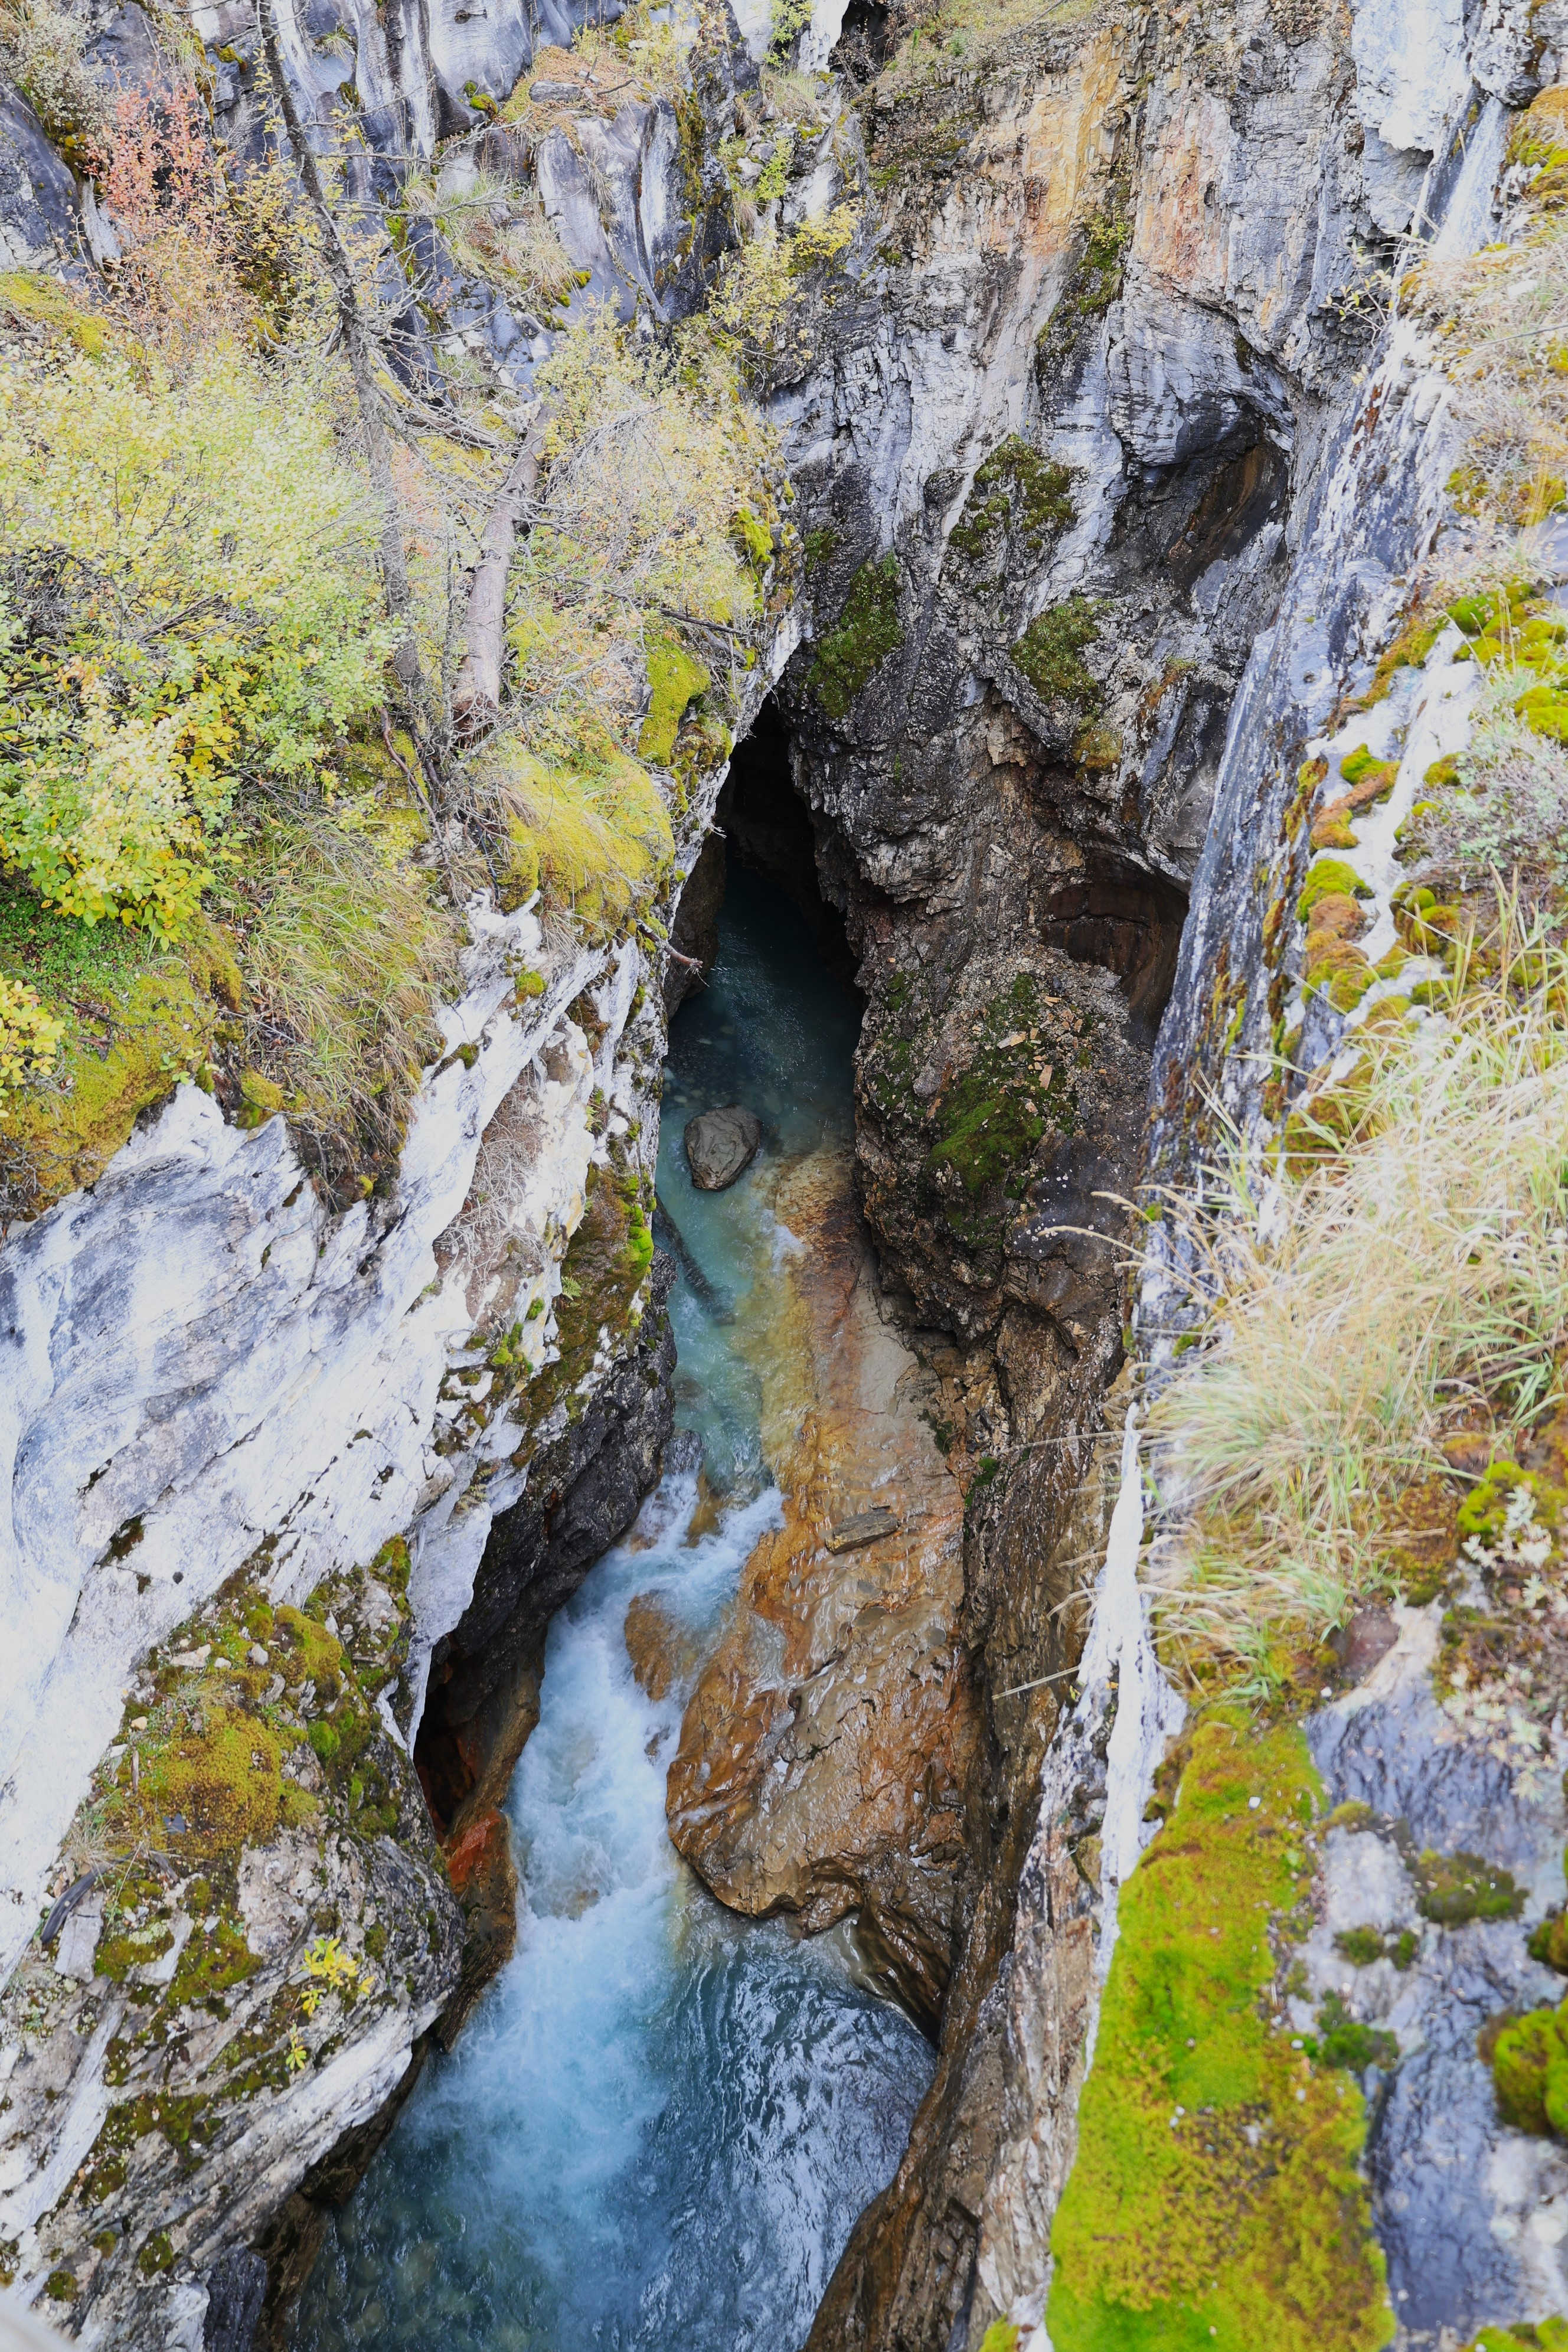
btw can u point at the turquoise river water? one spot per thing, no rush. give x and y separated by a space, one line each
660 2127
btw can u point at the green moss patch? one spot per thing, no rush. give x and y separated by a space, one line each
136 1019
603 1276
1529 2070
868 631
1216 2199
994 1115
1016 489
675 680
1330 877
1546 2336
1050 652
43 302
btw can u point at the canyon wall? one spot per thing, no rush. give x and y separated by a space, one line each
1111 481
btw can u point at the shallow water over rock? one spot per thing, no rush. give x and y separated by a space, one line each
663 2121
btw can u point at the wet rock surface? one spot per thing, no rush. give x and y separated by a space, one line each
827 1753
720 1145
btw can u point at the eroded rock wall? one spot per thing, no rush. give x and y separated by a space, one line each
1063 453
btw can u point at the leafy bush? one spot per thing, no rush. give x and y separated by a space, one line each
657 498
29 1036
189 603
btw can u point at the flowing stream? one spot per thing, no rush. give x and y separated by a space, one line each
660 2125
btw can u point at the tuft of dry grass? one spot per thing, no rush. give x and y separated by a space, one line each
1501 320
500 233
346 950
1418 1265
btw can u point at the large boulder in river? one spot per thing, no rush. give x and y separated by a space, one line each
720 1144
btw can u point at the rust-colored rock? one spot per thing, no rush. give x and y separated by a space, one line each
483 1873
664 1652
827 1751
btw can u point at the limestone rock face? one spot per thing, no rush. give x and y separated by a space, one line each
720 1145
1094 551
826 1754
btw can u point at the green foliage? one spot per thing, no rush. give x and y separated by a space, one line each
189 603
1458 1888
867 630
1015 485
1342 2040
1215 2198
1363 1945
134 1019
774 176
752 309
1530 2070
659 501
788 20
1050 652
1546 2336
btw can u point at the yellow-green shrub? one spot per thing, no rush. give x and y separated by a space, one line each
649 464
189 601
29 1036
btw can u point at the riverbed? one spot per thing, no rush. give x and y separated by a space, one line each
661 2124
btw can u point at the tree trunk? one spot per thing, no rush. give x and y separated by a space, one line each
476 699
356 342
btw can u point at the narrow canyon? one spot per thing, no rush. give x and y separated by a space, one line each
783 960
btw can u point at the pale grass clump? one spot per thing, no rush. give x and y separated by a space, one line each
41 52
1501 318
347 950
498 232
1349 1312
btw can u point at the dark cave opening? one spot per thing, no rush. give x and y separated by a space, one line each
763 824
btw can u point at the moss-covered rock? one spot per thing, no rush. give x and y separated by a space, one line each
1529 2070
1216 2199
1015 490
1050 652
867 632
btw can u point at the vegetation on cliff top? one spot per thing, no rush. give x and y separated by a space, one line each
661 517
1363 1299
228 759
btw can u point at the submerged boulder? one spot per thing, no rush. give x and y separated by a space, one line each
722 1145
